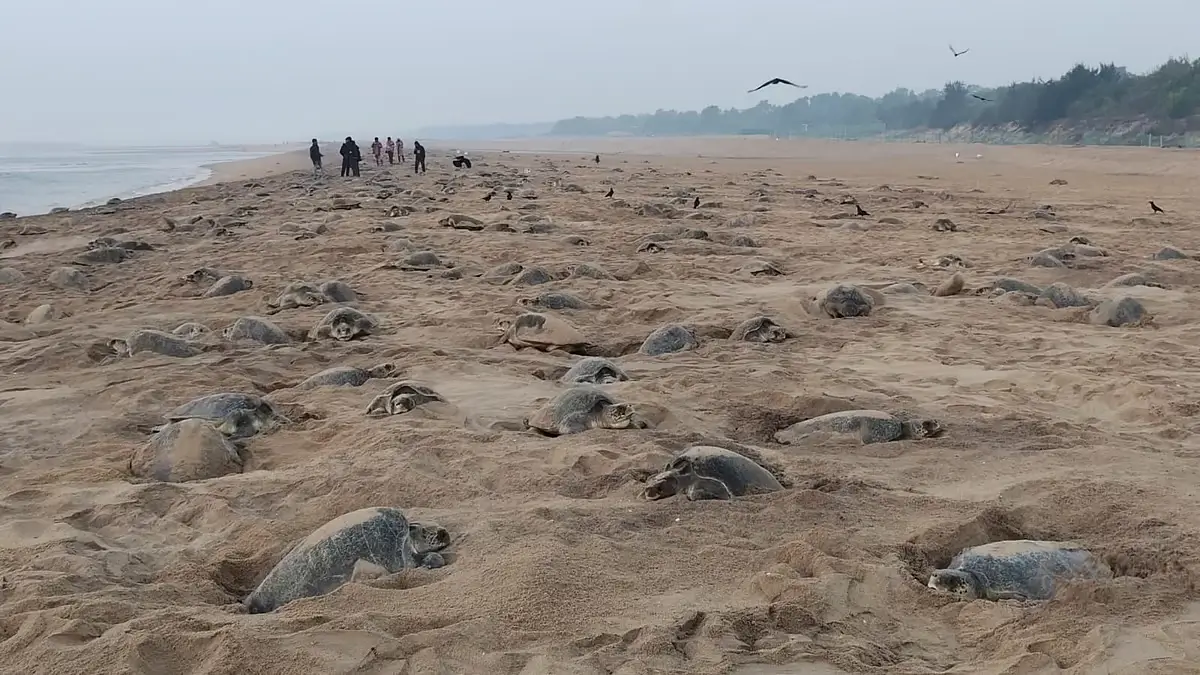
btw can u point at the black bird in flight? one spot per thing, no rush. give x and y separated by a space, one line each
777 80
508 195
489 196
696 204
987 100
957 54
861 211
610 192
1155 208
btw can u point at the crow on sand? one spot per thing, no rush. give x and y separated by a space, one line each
861 211
1155 208
696 204
508 195
777 80
610 192
597 159
489 196
957 54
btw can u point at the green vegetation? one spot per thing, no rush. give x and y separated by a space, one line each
1106 104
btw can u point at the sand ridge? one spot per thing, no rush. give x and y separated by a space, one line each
1056 429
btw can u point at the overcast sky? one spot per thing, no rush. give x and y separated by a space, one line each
147 71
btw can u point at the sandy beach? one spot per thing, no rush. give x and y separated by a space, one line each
1057 426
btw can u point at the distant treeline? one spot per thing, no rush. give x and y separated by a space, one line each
1164 101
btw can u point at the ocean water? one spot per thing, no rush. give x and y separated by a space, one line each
35 179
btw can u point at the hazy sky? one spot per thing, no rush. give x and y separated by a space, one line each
143 71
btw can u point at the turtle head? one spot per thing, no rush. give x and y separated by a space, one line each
426 538
620 416
502 325
961 583
669 482
382 370
923 428
342 330
240 424
119 347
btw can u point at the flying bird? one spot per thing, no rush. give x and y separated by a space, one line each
987 100
1155 208
777 80
957 54
610 192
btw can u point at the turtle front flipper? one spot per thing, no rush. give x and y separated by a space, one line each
707 488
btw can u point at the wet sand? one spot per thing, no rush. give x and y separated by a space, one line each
1055 428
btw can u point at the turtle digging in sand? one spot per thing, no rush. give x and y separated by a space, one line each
709 472
297 294
400 398
156 341
844 301
594 370
347 376
668 339
258 329
542 332
360 545
871 426
235 415
759 329
343 323
187 450
581 408
1021 569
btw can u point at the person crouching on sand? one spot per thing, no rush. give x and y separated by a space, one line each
377 150
314 153
390 149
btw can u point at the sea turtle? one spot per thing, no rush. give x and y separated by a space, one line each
668 339
362 544
586 271
762 268
258 329
651 247
871 426
190 330
421 261
337 291
203 275
103 255
297 294
43 313
347 376
149 340
228 286
759 329
401 397
594 370
556 300
843 301
708 472
531 276
186 450
1117 312
235 415
580 408
343 323
503 272
1059 295
541 331
1020 569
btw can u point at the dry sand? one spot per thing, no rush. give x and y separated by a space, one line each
1056 429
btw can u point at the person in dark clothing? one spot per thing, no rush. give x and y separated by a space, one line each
314 153
351 156
418 157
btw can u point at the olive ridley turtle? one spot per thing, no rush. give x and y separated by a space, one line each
401 397
581 408
187 450
343 323
844 301
156 341
871 426
759 329
362 544
668 339
236 415
540 331
347 376
258 329
1020 569
594 370
297 294
709 472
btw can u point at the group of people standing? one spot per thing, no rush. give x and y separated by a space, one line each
352 155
